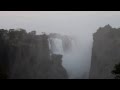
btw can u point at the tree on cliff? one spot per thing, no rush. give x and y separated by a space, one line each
116 71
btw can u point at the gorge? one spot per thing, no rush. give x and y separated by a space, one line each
26 55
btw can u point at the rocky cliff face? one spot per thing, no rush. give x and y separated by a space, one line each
105 52
27 56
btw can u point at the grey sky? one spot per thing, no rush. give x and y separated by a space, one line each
58 21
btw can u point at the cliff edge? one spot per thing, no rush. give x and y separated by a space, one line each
105 52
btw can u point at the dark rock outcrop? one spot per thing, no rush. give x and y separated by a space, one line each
27 56
105 52
57 70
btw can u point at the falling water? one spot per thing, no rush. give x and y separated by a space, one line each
56 47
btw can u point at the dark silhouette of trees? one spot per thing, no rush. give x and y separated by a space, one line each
9 42
116 71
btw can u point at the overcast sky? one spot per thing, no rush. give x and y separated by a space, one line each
82 24
59 21
78 23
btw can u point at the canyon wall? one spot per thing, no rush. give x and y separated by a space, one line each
27 56
105 52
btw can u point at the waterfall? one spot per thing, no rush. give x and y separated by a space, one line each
69 56
74 54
